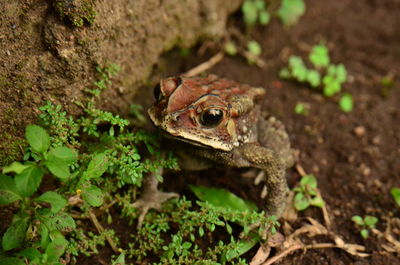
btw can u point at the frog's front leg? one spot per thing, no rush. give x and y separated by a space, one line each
268 160
151 197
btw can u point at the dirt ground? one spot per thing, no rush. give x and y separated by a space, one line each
355 156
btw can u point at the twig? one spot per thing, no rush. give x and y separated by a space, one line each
100 229
254 58
306 247
300 170
206 65
282 254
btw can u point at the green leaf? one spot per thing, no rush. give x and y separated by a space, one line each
60 222
290 11
249 11
97 166
37 138
120 260
242 247
55 249
284 73
357 220
301 202
58 168
222 198
254 48
300 73
309 180
230 48
314 78
301 109
331 87
28 181
8 190
32 254
346 102
12 260
15 234
44 235
396 195
317 201
64 154
295 61
364 233
341 73
319 56
56 201
15 167
260 4
370 221
264 17
93 196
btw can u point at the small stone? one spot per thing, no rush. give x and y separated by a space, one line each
366 171
376 140
359 131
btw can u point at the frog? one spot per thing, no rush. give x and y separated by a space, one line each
213 121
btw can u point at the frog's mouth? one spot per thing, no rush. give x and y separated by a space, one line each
194 136
197 140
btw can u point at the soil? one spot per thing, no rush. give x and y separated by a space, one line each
355 156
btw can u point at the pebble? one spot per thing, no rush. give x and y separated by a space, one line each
359 131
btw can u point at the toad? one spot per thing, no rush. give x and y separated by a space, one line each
210 121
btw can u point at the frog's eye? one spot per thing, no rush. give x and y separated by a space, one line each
211 117
157 92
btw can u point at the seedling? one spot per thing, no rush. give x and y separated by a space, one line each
254 50
255 11
302 108
365 224
236 206
387 84
326 77
230 48
396 195
290 11
306 194
346 102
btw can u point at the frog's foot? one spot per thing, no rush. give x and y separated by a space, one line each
151 198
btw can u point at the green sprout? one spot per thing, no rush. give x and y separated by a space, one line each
301 108
326 77
255 11
346 102
365 224
254 48
230 48
334 79
396 195
290 11
306 194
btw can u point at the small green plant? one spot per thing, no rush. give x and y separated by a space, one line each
230 48
306 194
43 213
255 11
325 76
290 11
346 102
387 83
302 108
396 195
365 224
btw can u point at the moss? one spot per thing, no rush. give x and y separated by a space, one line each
77 12
10 148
